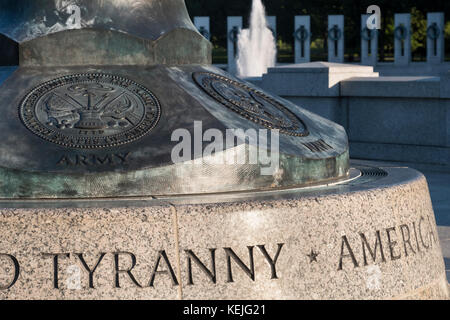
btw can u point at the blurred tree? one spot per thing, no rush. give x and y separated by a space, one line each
387 37
419 33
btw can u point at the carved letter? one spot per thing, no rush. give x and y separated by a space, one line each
351 255
272 262
162 254
123 157
55 265
392 244
82 160
16 271
426 246
373 253
211 274
406 240
91 272
432 235
118 271
65 160
106 159
415 235
248 271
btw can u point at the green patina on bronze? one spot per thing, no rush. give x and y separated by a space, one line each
130 83
17 184
107 47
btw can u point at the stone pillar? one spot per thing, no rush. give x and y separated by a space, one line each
435 37
369 43
336 38
203 26
302 37
402 39
234 26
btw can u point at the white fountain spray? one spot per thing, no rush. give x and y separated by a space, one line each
257 49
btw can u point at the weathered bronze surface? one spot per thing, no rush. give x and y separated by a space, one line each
103 32
25 20
90 112
251 104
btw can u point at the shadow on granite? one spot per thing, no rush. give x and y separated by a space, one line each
447 267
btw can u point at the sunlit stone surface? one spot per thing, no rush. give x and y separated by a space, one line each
93 205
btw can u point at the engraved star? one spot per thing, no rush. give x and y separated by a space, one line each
312 256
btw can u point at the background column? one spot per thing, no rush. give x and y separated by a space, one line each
369 43
203 26
234 26
302 38
402 39
336 38
435 37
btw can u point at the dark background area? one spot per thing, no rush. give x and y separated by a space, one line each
285 10
9 52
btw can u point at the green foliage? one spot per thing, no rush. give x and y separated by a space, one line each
447 30
419 31
318 44
388 32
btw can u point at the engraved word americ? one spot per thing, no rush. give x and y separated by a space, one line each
251 104
90 111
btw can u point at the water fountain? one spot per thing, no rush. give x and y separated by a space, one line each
257 49
91 120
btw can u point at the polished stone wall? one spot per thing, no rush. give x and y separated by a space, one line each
405 119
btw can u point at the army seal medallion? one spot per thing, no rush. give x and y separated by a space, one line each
251 104
90 111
